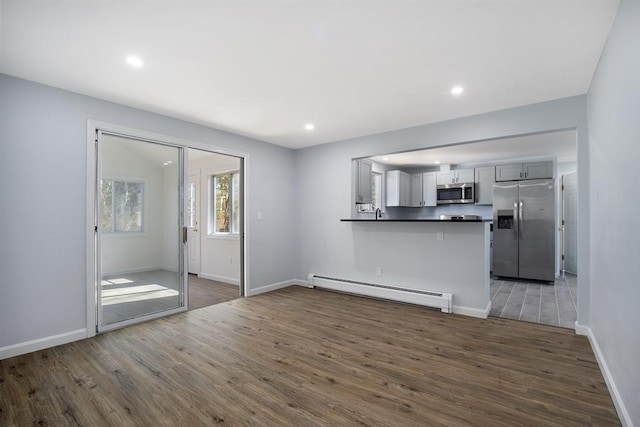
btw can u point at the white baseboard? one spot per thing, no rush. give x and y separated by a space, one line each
41 343
623 414
223 279
273 287
473 312
303 283
135 270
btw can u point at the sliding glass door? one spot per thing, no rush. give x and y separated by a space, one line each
140 251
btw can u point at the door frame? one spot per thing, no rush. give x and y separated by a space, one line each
198 222
92 248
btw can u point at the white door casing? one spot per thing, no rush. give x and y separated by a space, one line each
570 222
193 222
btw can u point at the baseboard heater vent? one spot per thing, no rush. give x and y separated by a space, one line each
433 299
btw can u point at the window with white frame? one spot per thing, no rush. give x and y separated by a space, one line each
122 206
224 212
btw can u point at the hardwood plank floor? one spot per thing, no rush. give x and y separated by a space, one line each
307 357
205 292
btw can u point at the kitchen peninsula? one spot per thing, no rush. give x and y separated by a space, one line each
449 256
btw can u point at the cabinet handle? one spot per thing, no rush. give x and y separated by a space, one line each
525 174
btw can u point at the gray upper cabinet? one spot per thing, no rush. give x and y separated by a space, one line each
416 190
520 171
455 176
398 188
538 170
484 179
364 169
423 189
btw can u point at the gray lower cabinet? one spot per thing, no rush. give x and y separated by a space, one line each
520 171
485 178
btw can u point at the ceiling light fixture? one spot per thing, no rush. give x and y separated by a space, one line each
309 126
385 158
134 61
457 90
437 162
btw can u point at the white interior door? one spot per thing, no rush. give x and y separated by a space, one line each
570 222
193 222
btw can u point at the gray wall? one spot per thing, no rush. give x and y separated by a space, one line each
613 105
43 228
324 180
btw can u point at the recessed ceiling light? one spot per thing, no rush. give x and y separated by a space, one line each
134 61
309 126
457 90
385 158
437 162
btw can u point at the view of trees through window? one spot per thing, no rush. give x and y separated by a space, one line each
226 203
121 206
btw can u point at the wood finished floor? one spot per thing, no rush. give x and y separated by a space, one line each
205 292
306 357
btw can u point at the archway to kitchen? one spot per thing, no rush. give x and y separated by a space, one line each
553 156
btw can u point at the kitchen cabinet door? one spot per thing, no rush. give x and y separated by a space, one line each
538 170
364 169
429 194
464 175
509 172
445 177
398 188
416 190
485 178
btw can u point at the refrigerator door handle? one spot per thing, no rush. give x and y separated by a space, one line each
516 225
520 219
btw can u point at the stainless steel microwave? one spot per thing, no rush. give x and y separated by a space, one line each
460 192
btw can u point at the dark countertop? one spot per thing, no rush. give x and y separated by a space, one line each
413 220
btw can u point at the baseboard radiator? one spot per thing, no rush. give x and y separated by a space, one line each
438 300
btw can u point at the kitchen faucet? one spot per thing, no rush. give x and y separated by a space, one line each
378 213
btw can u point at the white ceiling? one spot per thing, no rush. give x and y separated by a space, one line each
559 146
264 68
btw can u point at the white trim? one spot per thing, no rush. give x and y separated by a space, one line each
273 287
223 279
581 329
139 270
42 343
303 283
145 318
623 414
473 312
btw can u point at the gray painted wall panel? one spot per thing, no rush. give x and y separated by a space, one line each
43 191
614 138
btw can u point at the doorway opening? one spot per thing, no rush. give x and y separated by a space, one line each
213 224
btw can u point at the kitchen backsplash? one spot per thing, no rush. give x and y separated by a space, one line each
486 212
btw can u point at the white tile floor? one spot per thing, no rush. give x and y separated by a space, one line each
537 302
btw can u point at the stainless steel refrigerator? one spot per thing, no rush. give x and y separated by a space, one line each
524 229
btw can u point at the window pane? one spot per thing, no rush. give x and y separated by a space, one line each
127 204
235 210
106 206
376 190
222 187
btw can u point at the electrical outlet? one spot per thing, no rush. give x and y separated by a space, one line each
440 235
230 260
378 271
